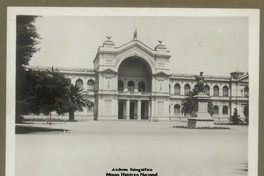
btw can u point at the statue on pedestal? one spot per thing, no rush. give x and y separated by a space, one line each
199 106
200 82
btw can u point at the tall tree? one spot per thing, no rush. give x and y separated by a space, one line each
26 40
53 90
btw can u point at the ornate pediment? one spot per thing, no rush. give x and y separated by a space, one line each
243 78
161 74
137 45
109 71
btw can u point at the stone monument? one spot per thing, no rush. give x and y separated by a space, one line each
201 117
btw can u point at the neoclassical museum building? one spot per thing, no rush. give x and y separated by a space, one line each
133 82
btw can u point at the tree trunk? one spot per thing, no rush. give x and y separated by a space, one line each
71 116
50 119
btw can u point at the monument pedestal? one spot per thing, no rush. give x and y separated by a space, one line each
201 118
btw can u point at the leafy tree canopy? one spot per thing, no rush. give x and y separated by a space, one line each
26 40
188 103
44 92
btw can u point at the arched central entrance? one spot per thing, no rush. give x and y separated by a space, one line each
134 87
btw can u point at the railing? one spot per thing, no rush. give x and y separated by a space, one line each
144 93
134 93
239 98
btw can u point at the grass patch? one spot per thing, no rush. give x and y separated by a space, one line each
211 128
219 123
30 129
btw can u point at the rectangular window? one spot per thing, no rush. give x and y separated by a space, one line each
225 91
177 90
108 80
160 84
186 90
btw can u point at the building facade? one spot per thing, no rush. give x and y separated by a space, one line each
133 82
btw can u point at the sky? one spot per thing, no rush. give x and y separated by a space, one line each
214 45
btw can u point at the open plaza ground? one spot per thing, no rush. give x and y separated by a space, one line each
94 148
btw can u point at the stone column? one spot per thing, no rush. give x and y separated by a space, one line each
171 111
181 90
124 110
220 91
148 110
128 109
211 91
125 89
136 86
220 112
139 109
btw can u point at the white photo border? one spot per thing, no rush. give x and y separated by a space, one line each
254 24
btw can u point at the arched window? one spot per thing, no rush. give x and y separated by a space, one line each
176 109
131 86
90 84
225 91
246 111
141 86
186 88
216 91
207 89
246 92
177 89
225 110
120 86
79 82
216 110
196 87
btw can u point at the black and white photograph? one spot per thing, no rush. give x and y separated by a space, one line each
132 92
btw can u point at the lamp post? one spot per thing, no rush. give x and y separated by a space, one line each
236 91
234 75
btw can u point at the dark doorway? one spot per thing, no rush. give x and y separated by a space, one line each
132 110
120 110
143 110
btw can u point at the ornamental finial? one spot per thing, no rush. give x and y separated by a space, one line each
135 34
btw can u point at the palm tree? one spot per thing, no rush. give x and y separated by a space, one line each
78 100
188 103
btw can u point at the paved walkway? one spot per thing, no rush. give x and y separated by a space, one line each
94 148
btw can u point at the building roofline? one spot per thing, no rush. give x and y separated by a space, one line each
205 76
73 69
88 70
